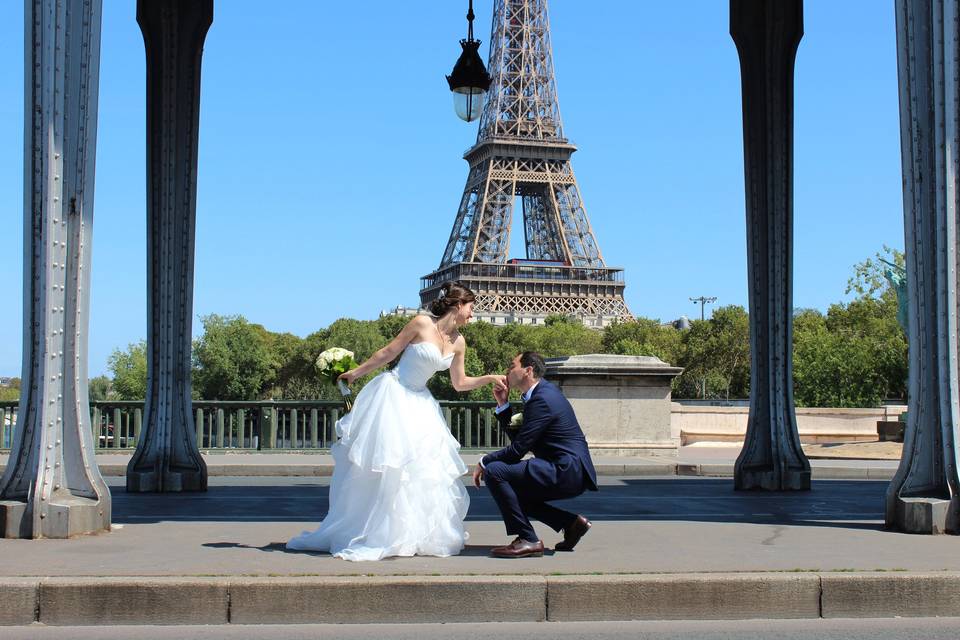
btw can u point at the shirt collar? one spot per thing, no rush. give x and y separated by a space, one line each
526 396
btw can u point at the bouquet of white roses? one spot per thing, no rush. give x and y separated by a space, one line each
332 363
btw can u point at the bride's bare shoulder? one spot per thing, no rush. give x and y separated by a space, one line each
420 322
418 326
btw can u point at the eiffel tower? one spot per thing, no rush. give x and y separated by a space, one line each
521 153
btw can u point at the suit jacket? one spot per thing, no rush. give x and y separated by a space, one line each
551 431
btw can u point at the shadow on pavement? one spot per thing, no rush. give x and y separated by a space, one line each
853 504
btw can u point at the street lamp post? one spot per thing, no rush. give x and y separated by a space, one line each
704 301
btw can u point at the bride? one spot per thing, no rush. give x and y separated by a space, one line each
396 488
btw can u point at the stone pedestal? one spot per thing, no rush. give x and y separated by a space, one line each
622 402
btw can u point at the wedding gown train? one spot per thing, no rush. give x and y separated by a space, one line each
396 488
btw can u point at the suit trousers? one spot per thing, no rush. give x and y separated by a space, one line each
521 495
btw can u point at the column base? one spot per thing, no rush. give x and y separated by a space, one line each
929 516
169 482
770 480
62 519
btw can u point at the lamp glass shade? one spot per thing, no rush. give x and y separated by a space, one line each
468 102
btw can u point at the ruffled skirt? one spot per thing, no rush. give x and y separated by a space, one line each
396 488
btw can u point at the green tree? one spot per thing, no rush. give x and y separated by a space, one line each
390 326
100 388
716 356
856 354
297 376
868 280
644 337
233 359
129 369
10 392
567 338
488 343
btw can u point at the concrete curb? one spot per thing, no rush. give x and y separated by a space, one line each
659 469
426 599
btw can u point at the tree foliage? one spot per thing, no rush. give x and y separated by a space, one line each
129 369
233 359
101 388
856 354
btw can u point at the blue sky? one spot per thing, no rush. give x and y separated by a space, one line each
331 161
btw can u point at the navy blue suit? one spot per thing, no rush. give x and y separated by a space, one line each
561 469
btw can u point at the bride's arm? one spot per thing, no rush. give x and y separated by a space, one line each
389 352
459 379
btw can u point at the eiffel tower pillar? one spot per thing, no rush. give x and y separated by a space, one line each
767 35
52 487
924 495
167 457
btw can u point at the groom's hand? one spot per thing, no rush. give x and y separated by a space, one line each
477 476
501 393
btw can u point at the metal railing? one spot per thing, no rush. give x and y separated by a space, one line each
261 425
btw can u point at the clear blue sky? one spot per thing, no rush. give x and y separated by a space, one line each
331 160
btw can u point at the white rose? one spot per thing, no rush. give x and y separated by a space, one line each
516 420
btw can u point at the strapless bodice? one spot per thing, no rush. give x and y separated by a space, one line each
418 362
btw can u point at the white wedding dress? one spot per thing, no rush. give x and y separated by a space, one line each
396 488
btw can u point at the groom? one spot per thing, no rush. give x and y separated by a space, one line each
561 469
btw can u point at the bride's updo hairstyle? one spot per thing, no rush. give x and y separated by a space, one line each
451 296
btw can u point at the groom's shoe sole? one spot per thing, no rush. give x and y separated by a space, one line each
532 554
519 549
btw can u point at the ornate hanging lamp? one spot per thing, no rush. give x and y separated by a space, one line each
469 81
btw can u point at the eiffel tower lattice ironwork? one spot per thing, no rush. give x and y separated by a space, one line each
521 153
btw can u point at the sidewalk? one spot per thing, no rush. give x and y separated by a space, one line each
668 547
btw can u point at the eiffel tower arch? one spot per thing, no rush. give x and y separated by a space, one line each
522 154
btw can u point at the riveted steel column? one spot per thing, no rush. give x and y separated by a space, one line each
52 487
923 495
167 458
767 35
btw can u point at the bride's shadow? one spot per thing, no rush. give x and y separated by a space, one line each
470 551
269 547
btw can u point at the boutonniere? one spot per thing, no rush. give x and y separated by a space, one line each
516 420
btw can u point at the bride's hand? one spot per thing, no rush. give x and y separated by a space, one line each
348 377
499 383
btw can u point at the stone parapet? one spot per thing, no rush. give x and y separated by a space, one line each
622 402
695 423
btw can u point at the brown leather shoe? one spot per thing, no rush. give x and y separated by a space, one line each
519 548
572 534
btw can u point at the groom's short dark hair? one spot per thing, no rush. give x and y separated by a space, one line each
534 360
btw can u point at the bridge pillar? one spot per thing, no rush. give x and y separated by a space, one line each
767 35
52 487
167 457
923 495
